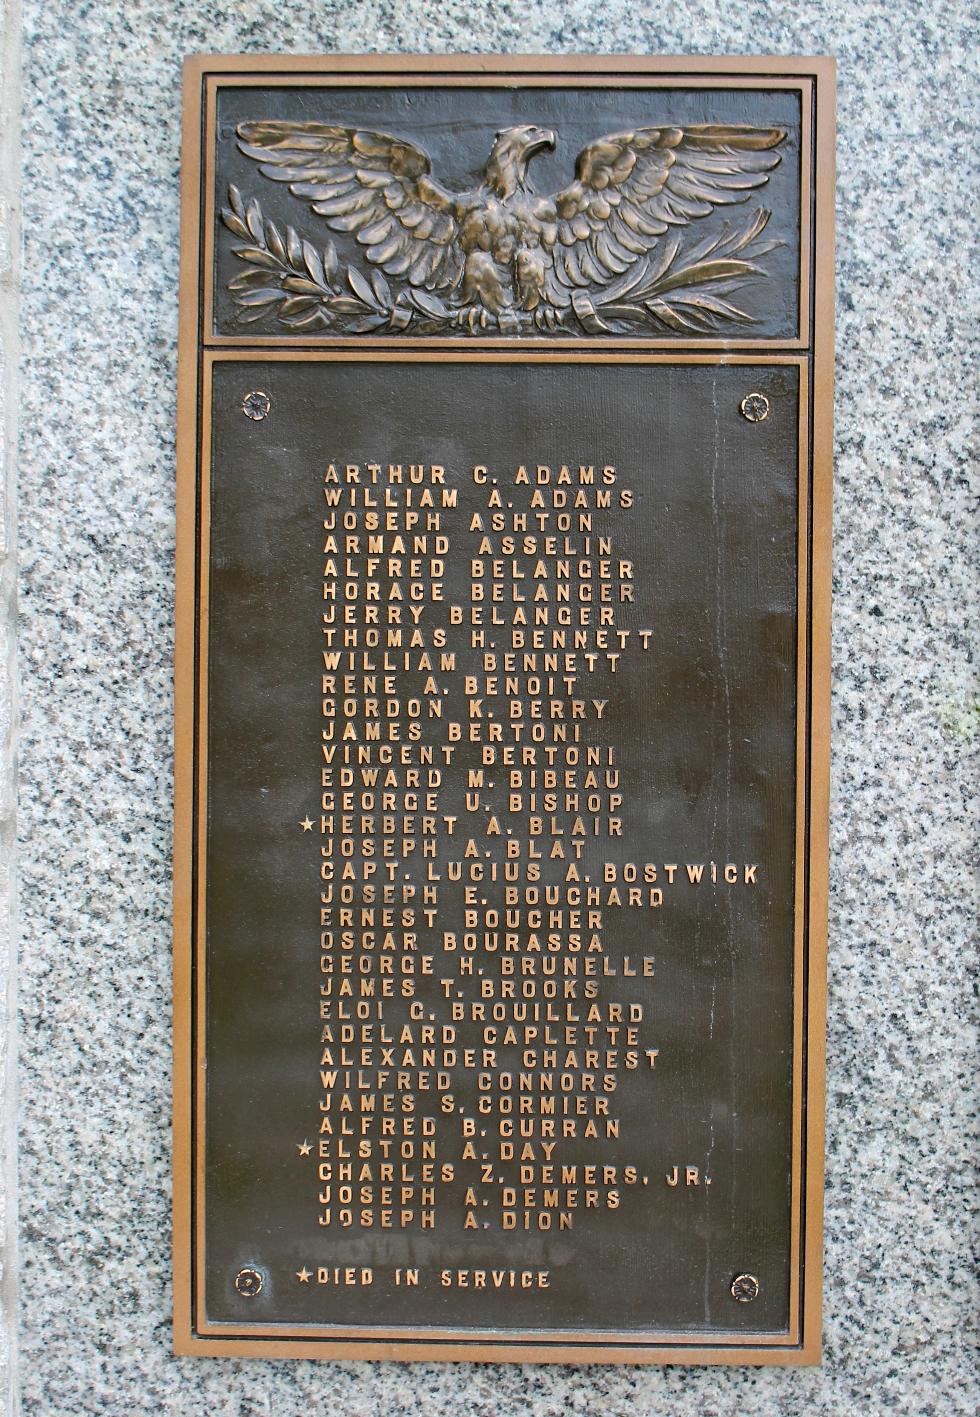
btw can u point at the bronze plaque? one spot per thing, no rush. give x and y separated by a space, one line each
502 674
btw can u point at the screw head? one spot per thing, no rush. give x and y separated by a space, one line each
248 1283
745 1288
256 405
754 407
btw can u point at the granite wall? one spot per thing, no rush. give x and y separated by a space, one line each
9 342
101 103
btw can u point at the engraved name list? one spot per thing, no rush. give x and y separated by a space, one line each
463 926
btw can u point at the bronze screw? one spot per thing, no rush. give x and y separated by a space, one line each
745 1288
248 1283
256 405
754 407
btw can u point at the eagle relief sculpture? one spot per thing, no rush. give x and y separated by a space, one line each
607 254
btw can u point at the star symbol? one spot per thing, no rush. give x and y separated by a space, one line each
304 1147
307 825
303 1275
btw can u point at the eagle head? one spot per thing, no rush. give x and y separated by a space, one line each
511 153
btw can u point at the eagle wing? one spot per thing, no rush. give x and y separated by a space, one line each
371 184
630 188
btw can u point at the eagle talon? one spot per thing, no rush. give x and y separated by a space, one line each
476 319
471 318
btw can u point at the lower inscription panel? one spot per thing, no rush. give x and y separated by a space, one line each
500 845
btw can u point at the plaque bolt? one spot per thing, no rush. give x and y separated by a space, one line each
248 1283
754 407
256 405
745 1288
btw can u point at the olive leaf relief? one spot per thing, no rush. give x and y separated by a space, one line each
285 275
301 286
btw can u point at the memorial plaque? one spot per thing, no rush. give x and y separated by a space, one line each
502 677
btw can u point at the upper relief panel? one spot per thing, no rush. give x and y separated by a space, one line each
636 212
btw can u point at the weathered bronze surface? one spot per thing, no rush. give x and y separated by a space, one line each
501 787
593 257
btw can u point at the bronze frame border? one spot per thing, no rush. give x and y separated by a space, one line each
491 78
802 1344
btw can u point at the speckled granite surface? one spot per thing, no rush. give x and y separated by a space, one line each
9 346
97 516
